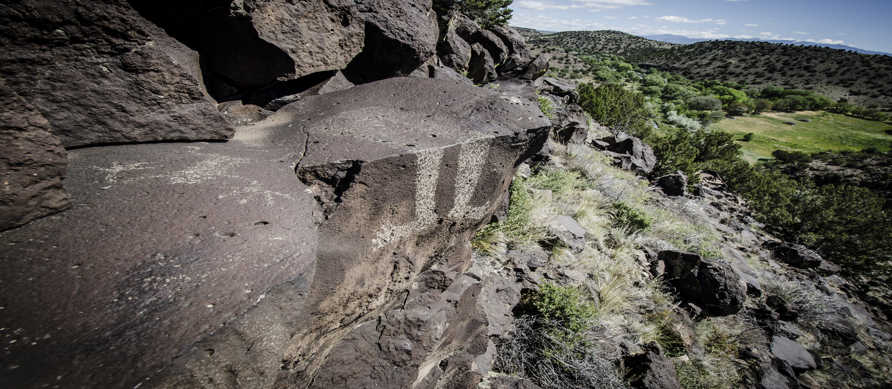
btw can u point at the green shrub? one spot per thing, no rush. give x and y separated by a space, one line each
615 107
565 306
704 103
628 218
516 227
558 181
748 137
487 13
546 107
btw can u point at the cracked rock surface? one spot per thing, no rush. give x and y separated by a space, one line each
252 263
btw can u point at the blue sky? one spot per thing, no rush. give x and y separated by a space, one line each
866 24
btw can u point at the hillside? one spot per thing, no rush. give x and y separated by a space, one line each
865 80
605 42
683 40
862 79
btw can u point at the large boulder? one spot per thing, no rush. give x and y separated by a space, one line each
628 152
400 35
674 184
796 255
650 370
249 44
712 285
481 69
566 232
492 43
213 264
32 164
100 73
570 124
792 354
454 51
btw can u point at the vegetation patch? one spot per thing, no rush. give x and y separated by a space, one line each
823 131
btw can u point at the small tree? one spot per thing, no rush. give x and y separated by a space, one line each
487 13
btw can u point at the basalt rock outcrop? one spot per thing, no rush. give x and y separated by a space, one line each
100 73
222 247
32 164
320 239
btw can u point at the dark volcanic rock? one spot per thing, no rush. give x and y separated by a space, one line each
557 87
650 370
797 255
570 124
334 83
400 35
453 50
566 232
492 43
100 73
629 152
710 284
164 244
481 68
398 202
792 353
673 184
32 164
168 243
537 68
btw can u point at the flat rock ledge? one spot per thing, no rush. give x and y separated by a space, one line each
336 230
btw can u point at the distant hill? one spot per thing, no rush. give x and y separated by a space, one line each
683 40
591 42
862 79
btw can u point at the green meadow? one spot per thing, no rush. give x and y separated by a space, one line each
808 132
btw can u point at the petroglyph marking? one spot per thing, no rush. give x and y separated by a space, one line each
470 166
471 161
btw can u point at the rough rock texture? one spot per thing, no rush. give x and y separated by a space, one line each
570 123
519 54
164 243
628 152
453 50
434 69
673 184
481 69
792 353
712 285
533 70
334 83
650 370
400 35
195 235
796 255
32 163
492 43
100 73
557 87
566 232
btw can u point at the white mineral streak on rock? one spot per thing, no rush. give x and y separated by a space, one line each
471 161
428 174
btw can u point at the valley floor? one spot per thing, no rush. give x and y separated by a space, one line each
806 131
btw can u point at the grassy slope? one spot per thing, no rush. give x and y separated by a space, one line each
825 131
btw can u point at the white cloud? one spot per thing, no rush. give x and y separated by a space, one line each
681 19
800 33
751 25
577 4
827 41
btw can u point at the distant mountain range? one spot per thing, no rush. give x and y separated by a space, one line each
683 40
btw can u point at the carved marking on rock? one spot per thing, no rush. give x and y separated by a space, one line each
471 161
